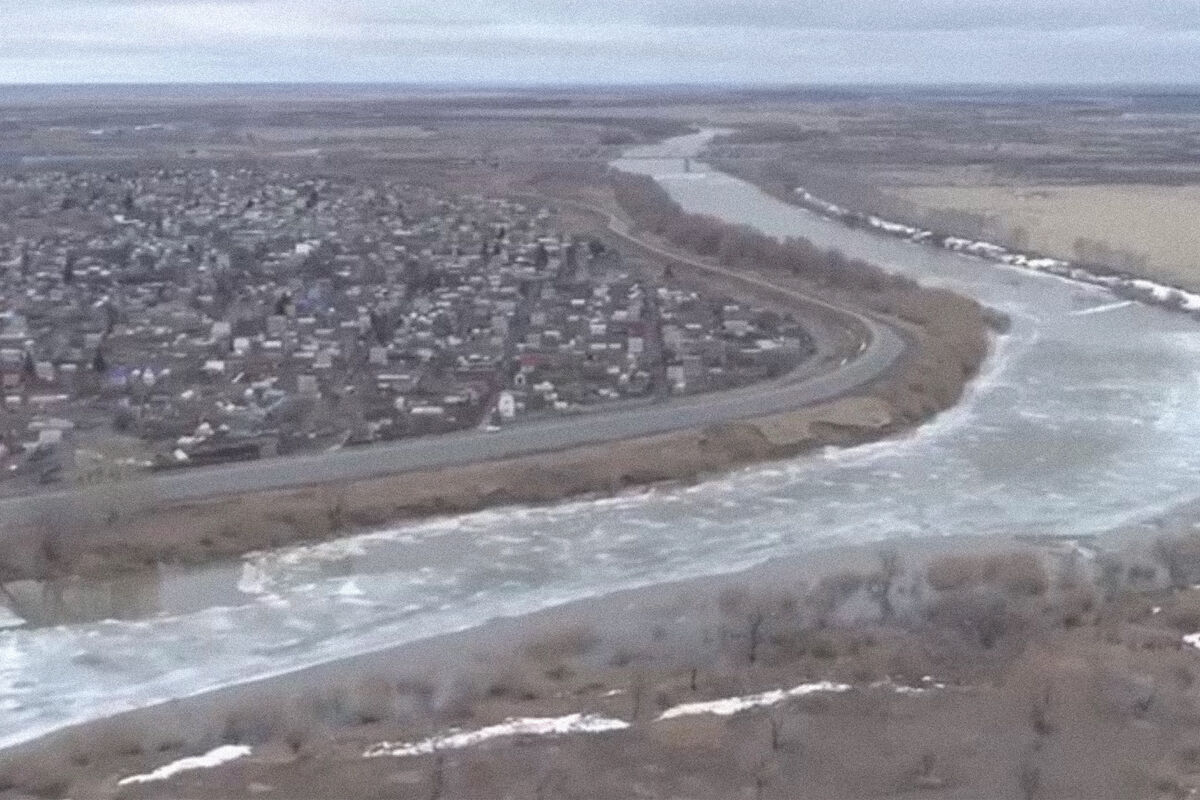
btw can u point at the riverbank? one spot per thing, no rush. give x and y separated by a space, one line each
227 527
944 645
1121 283
212 530
946 339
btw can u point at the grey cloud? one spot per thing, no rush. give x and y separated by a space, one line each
598 41
829 14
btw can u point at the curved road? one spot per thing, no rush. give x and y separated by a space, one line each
882 346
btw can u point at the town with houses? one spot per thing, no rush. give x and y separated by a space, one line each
178 318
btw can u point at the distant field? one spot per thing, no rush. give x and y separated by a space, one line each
1108 178
1148 229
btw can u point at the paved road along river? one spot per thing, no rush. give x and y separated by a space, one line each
818 380
1084 418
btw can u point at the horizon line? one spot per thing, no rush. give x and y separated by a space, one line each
509 85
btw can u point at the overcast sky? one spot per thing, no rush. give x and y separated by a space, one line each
601 41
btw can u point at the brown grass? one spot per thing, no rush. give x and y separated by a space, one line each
554 646
1035 664
1020 574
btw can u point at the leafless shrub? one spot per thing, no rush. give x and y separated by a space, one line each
124 736
458 698
1142 574
1180 555
824 648
622 657
1187 757
415 696
1018 574
981 616
926 776
751 618
637 692
908 662
784 726
371 700
557 645
1124 694
1076 603
882 582
335 500
305 736
512 684
950 573
560 673
1183 613
1039 714
42 775
330 704
437 777
1112 575
1029 780
1170 787
833 591
257 721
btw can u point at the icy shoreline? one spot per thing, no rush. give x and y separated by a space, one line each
1120 284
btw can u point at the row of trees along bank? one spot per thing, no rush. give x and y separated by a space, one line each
951 330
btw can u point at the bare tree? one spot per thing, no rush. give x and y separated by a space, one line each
1180 556
113 485
637 693
881 583
437 780
334 500
1029 779
765 772
927 777
756 618
1039 715
550 783
753 616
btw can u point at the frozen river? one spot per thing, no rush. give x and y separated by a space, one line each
1084 418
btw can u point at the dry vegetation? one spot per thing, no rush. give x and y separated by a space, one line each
1041 674
118 530
951 330
501 145
1108 179
78 540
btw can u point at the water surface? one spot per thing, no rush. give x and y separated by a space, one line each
1081 421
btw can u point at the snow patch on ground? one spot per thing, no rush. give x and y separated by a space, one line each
213 758
527 726
1146 291
728 706
1192 640
457 739
1086 312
